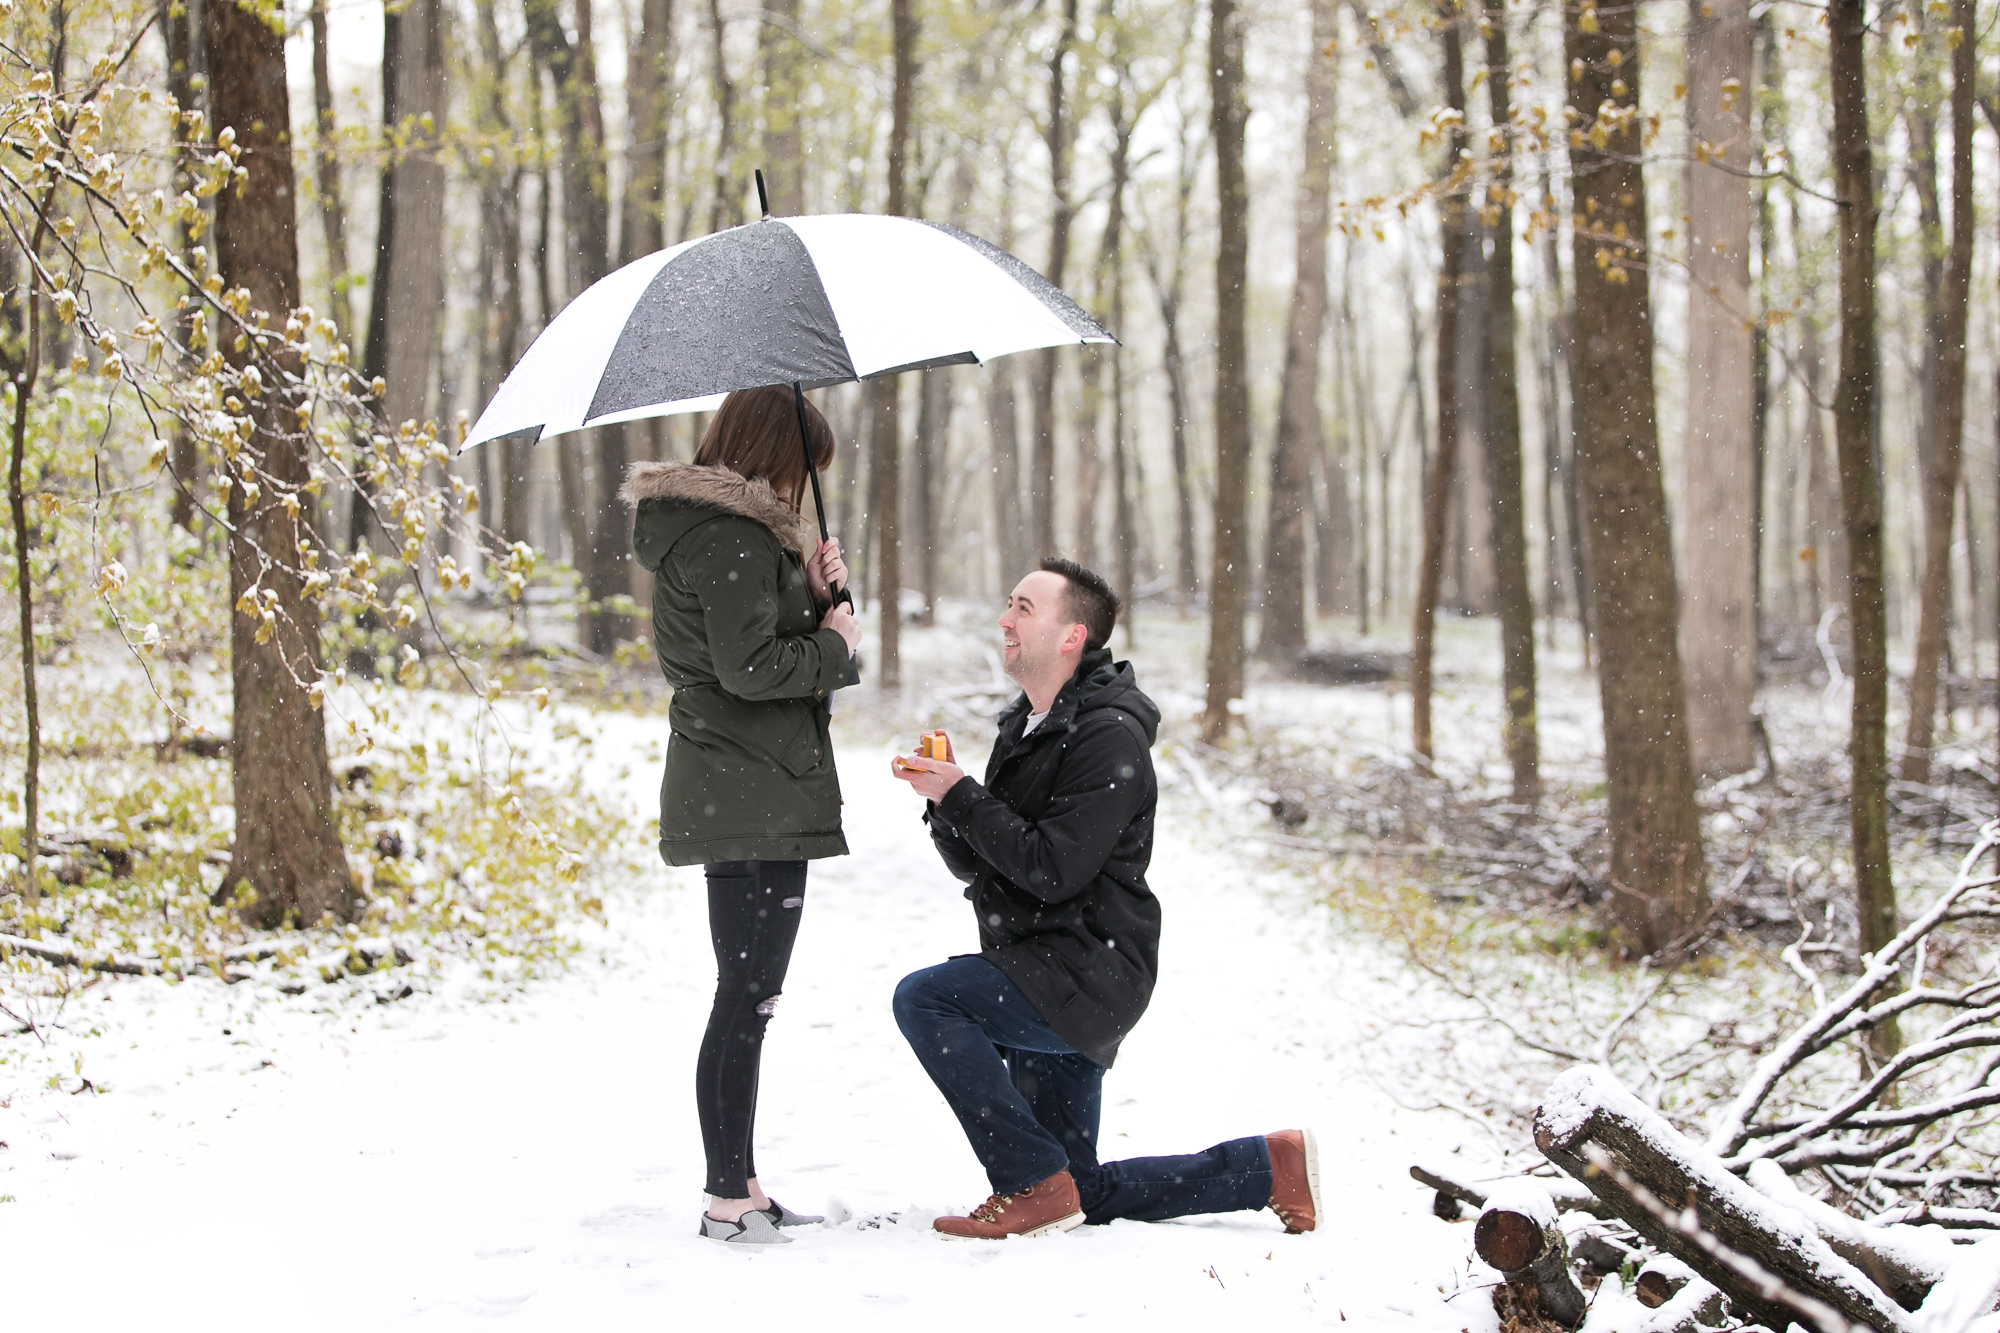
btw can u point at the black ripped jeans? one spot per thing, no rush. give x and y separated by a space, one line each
753 917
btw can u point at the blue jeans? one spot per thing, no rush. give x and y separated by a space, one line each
1029 1104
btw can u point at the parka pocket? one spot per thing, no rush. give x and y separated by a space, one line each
806 749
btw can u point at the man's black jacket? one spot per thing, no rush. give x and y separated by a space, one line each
1053 850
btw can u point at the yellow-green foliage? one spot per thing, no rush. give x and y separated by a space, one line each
458 854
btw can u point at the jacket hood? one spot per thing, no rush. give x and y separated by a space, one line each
702 486
1098 683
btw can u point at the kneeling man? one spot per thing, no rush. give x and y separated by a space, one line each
1053 849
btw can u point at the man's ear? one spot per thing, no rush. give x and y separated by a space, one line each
1073 639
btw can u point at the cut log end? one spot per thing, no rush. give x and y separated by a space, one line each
1655 1288
1507 1241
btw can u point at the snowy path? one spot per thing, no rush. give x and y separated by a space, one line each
443 1164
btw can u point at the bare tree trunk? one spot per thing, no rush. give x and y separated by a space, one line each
1003 425
1169 281
886 445
24 371
1175 364
648 68
1354 433
931 455
784 79
287 849
1860 494
1229 566
1281 634
184 53
1657 871
1444 460
500 229
721 198
599 540
415 299
326 179
1718 596
1948 425
1560 533
1503 443
375 352
1060 136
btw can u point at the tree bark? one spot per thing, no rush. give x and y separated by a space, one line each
600 542
184 57
287 849
326 179
500 225
414 301
1860 493
1281 636
1948 423
722 195
1229 568
1059 135
1503 441
24 370
886 445
1444 459
931 454
784 79
1718 596
1657 871
1003 424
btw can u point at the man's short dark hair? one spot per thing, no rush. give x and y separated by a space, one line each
1088 601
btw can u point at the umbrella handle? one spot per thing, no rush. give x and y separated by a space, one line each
838 593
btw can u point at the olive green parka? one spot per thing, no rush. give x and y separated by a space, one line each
749 773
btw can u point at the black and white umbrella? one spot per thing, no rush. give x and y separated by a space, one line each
809 301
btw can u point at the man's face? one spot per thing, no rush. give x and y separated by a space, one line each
1034 629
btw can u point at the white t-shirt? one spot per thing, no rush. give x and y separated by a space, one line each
1034 720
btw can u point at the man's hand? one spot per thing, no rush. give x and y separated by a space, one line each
931 778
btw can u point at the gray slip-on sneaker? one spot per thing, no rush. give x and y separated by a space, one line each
754 1229
785 1217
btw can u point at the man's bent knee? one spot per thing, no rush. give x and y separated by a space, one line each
921 990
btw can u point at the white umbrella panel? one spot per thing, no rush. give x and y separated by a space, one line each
809 301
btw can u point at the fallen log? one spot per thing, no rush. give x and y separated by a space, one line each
1904 1261
1659 1280
56 953
1771 1264
1694 1302
1518 1234
1569 1196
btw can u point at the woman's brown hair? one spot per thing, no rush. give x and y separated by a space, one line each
756 433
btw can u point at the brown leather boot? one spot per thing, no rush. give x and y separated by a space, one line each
1045 1206
1294 1179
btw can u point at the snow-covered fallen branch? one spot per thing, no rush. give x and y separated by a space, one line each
1769 1262
89 962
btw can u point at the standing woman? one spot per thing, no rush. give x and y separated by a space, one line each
750 640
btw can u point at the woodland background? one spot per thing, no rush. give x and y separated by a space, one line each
1672 325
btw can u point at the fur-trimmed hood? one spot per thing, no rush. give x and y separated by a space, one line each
711 487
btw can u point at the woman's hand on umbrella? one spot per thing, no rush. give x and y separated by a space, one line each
826 571
842 622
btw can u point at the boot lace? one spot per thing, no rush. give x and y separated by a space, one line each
994 1206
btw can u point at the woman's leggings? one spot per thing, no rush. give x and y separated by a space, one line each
753 917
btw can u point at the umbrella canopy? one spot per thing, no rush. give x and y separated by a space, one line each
808 301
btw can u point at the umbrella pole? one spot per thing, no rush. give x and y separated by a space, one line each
840 594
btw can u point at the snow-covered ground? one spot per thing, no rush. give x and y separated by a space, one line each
323 1160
